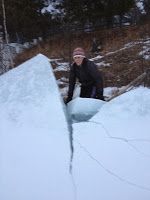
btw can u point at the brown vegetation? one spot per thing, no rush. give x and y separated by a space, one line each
125 63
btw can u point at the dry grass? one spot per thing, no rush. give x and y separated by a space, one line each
125 65
60 45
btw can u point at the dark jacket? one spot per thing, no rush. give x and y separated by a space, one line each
88 75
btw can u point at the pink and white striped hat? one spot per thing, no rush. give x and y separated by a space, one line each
79 52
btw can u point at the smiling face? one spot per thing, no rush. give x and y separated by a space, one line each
78 60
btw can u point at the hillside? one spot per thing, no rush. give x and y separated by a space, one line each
124 54
45 155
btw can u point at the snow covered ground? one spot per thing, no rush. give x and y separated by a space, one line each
111 151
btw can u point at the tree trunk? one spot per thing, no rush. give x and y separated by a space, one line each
147 81
6 34
130 86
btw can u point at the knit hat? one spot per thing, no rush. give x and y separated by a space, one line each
78 52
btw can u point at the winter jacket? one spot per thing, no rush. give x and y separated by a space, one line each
88 75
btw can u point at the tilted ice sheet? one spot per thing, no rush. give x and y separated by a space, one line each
34 137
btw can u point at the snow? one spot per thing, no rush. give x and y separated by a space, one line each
140 6
61 67
50 8
145 53
97 58
103 64
110 152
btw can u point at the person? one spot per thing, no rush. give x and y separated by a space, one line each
95 46
88 75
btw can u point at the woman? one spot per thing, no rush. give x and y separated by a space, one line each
88 75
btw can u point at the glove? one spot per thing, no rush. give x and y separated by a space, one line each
67 100
101 98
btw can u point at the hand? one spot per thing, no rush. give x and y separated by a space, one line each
101 98
67 100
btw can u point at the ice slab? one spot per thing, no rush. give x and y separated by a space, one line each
82 109
34 136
